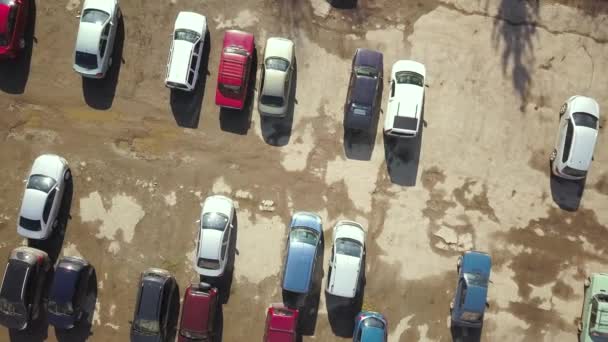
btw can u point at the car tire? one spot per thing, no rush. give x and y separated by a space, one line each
458 263
580 326
451 306
587 282
553 155
563 109
67 175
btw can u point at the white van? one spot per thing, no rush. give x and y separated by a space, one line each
186 51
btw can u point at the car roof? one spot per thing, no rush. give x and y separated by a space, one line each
408 65
584 104
104 5
64 284
210 244
476 262
151 292
15 276
88 38
274 82
368 57
179 66
298 268
364 90
4 11
372 334
191 21
279 47
307 219
345 275
195 312
583 145
33 204
476 298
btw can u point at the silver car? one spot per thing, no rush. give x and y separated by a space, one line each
42 198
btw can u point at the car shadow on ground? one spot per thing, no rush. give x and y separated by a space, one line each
16 72
83 329
52 245
307 320
277 131
402 156
566 193
218 325
239 121
224 283
341 312
99 94
343 4
360 145
173 314
186 106
460 334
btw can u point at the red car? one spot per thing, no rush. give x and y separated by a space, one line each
201 303
281 323
13 21
235 67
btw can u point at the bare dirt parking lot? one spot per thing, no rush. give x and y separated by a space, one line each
143 159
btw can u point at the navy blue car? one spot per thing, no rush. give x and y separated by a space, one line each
469 303
152 310
305 233
68 296
363 90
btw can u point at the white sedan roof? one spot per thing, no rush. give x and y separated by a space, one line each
88 38
191 21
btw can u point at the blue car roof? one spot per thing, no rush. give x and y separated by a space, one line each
308 220
298 269
476 262
371 334
64 285
475 300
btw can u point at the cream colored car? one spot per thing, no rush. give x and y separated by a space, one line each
279 58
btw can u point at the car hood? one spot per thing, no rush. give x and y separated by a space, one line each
239 38
582 148
279 47
408 65
191 21
306 219
35 200
345 276
586 105
475 262
211 242
60 321
47 165
368 58
298 270
349 231
218 204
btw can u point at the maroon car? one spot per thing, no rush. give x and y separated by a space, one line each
281 324
201 303
13 21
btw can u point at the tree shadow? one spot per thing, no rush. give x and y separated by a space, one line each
186 106
52 245
238 121
343 4
99 93
173 314
277 131
341 312
224 283
461 334
402 156
360 145
567 194
307 320
82 329
16 72
515 25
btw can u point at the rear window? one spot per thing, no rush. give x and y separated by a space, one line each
86 60
373 322
41 183
303 235
236 50
273 101
187 35
585 120
215 221
348 247
275 63
574 172
210 264
366 71
409 77
33 225
228 88
476 279
94 16
176 85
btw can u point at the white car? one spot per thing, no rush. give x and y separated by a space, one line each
576 137
43 195
405 101
96 34
276 82
186 51
214 236
346 261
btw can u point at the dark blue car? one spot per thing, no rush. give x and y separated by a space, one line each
370 327
152 309
469 303
68 296
363 90
305 233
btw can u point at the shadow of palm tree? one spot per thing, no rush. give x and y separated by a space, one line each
514 28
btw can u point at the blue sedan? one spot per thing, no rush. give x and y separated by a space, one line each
305 232
69 292
370 327
469 303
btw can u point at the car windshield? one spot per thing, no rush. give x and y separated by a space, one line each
94 16
192 334
348 247
215 221
187 35
275 63
86 60
11 308
585 120
273 101
303 235
409 77
574 172
366 71
358 109
236 50
33 225
476 279
210 264
61 308
41 183
147 326
373 322
13 284
229 88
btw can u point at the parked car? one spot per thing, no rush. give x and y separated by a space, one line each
13 22
370 327
96 35
214 236
281 324
152 310
406 100
363 90
200 306
279 57
346 262
470 300
593 326
234 70
576 138
186 51
43 195
22 287
68 296
303 244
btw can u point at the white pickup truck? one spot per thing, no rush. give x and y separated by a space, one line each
406 98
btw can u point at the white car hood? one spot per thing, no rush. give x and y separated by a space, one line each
217 204
47 165
211 244
33 204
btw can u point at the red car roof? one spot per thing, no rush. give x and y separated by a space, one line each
281 326
195 310
238 48
4 9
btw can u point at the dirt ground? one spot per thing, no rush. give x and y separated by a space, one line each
143 159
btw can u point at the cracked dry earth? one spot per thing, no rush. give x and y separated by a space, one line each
497 73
